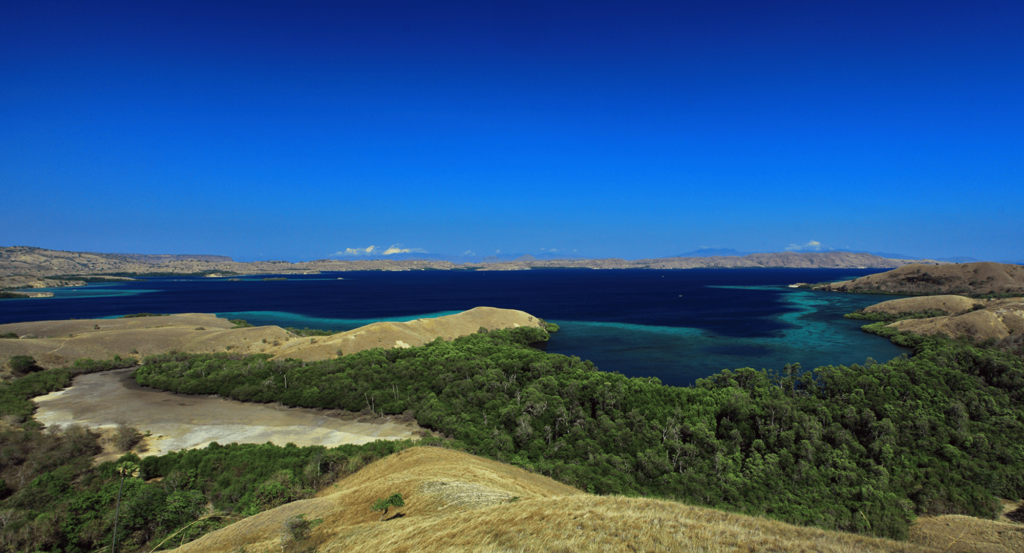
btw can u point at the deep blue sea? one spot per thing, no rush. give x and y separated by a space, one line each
677 325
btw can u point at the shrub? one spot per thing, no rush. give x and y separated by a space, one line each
382 505
126 437
298 528
23 364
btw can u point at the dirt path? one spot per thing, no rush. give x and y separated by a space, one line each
103 400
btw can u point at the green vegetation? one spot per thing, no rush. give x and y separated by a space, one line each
1000 296
298 528
11 295
53 499
310 331
23 364
126 469
10 335
394 500
240 323
59 502
551 328
15 396
137 315
893 317
964 291
861 448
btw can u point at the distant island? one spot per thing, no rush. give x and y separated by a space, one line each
30 267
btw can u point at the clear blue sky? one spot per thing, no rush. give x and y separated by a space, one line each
296 130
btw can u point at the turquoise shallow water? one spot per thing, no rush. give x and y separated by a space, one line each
93 291
294 320
675 325
815 335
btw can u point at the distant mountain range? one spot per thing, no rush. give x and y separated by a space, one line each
729 252
24 267
714 252
548 256
469 258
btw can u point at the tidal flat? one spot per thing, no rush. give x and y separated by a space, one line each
177 421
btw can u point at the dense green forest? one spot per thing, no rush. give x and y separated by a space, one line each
890 317
53 499
862 448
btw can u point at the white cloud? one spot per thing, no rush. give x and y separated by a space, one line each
812 246
371 250
468 252
397 248
348 252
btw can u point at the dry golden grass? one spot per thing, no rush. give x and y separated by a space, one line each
977 278
59 343
999 319
958 533
407 334
951 305
459 502
469 482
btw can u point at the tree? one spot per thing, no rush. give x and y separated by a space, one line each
297 529
382 505
125 469
23 364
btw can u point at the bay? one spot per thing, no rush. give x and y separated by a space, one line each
676 325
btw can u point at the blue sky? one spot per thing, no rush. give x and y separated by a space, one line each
298 130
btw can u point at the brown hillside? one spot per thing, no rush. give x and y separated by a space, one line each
969 279
407 334
459 502
950 305
26 266
997 320
959 533
59 343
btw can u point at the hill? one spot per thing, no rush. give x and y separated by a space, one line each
953 316
59 343
23 267
967 279
455 501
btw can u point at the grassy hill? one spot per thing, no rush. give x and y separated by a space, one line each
966 279
59 343
460 502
